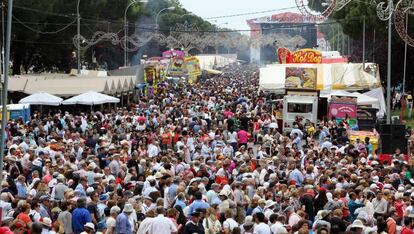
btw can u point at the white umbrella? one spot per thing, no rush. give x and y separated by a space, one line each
90 98
42 98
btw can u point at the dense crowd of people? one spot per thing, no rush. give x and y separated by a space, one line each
202 158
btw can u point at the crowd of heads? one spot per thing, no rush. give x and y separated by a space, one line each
208 157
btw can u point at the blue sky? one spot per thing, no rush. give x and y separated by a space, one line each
212 8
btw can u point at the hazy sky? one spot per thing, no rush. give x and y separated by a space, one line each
212 8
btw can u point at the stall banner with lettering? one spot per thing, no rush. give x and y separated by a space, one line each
307 56
342 111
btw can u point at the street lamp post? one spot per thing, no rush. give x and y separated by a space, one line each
126 29
78 41
159 13
389 64
386 14
5 84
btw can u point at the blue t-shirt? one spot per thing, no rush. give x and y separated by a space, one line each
80 216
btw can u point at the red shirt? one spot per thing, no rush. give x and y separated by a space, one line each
24 217
399 208
166 138
406 230
345 211
119 181
176 136
47 178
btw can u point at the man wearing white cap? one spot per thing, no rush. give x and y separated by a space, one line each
111 220
89 228
123 225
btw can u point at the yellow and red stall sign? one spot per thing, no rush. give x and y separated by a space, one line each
307 56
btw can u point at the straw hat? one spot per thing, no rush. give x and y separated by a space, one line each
357 224
128 208
322 214
270 203
89 225
46 221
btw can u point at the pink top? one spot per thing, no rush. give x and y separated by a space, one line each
228 114
243 136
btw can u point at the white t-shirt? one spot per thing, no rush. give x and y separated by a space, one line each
262 228
162 225
110 222
45 231
278 228
152 151
145 225
230 224
5 206
294 219
232 137
33 192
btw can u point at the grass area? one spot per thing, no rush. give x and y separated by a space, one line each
407 121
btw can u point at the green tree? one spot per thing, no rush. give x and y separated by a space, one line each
31 47
351 20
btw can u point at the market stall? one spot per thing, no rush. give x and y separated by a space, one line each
361 135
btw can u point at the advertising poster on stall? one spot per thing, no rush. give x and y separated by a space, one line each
150 75
192 66
343 108
176 67
300 78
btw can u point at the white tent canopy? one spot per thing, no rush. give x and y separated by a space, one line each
91 98
366 100
362 99
379 95
42 98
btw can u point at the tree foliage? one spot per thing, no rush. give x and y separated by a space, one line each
33 50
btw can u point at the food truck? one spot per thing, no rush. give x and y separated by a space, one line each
299 107
305 71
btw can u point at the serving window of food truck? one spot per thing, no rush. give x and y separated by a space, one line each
295 106
300 107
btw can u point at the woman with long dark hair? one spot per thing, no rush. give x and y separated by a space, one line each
320 200
181 220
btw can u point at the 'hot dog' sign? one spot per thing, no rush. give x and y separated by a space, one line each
307 56
299 56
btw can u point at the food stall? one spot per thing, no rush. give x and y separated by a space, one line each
373 138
